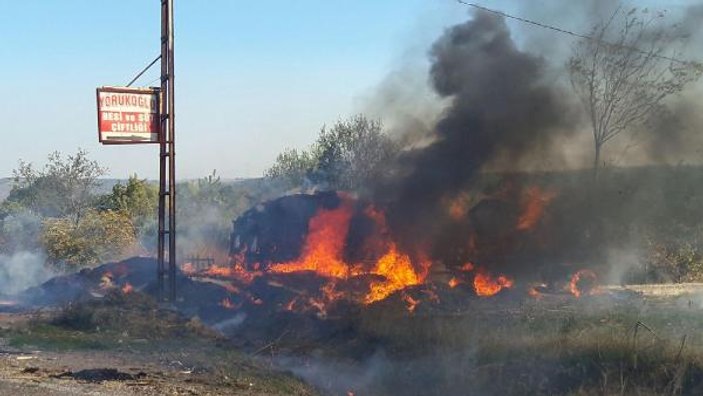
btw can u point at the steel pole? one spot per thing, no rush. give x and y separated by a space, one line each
172 159
161 268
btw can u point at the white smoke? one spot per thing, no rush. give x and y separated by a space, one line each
22 270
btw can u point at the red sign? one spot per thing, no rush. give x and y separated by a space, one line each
128 115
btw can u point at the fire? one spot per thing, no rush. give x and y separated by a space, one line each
459 206
533 208
398 271
410 302
534 293
237 271
384 268
227 303
328 295
290 305
106 281
467 267
322 252
188 269
583 282
485 285
330 292
127 288
219 271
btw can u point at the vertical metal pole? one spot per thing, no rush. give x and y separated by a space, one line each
167 161
172 161
161 268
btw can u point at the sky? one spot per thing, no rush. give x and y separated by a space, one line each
252 77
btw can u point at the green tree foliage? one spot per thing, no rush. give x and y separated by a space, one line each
137 198
293 165
346 156
64 187
97 237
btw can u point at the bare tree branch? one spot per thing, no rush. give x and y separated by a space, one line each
622 76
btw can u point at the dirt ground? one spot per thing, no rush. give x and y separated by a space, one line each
138 367
646 336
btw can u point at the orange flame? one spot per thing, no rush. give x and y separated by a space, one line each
290 305
534 293
188 269
237 271
227 303
454 282
533 208
467 267
106 280
398 271
322 252
486 286
127 288
219 271
583 282
410 302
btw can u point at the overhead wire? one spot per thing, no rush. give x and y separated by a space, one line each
574 34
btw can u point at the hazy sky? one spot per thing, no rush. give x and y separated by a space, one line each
252 77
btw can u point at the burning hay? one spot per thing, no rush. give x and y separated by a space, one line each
449 265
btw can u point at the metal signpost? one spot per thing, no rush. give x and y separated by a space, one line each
147 115
167 160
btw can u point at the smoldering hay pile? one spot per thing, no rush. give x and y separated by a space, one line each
415 240
416 237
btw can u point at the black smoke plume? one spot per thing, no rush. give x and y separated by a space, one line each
501 104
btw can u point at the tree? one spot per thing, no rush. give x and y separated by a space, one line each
346 156
138 198
622 73
98 236
293 165
64 187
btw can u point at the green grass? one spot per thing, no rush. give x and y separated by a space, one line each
53 338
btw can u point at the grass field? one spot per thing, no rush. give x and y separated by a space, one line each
618 342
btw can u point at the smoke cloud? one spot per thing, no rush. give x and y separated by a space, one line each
501 105
22 270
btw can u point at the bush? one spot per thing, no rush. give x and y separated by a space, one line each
97 237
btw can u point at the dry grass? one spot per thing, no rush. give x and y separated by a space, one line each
596 345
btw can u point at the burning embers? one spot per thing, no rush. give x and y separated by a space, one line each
485 285
583 282
348 254
112 281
